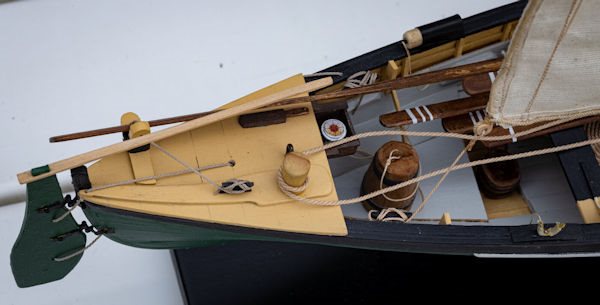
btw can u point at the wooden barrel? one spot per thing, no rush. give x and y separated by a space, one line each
402 169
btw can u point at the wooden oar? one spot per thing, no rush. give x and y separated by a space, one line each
434 111
153 123
399 83
78 160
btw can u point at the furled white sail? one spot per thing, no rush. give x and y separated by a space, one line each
552 67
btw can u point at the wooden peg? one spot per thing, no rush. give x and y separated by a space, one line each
460 44
295 169
391 72
140 158
446 219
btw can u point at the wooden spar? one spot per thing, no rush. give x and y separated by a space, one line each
159 122
499 131
464 124
453 73
437 111
78 160
125 128
399 83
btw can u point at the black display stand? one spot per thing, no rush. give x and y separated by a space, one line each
284 273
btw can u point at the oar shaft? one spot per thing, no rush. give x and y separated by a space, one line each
78 160
125 128
405 82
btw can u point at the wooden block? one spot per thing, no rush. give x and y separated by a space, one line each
391 71
446 219
141 163
271 117
477 84
264 118
589 211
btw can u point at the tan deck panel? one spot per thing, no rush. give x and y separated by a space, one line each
258 153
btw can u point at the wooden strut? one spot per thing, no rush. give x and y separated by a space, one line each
81 159
437 111
399 83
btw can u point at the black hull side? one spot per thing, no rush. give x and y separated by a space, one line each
152 231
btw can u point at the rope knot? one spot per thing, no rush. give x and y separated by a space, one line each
235 186
483 127
480 129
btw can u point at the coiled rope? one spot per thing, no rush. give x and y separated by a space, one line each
480 129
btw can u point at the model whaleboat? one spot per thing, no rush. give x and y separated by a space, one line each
470 136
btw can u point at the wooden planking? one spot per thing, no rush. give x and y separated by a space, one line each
511 206
81 159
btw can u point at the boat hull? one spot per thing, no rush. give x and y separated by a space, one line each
157 232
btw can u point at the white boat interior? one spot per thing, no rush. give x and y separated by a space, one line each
544 189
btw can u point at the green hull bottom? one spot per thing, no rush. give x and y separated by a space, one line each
152 232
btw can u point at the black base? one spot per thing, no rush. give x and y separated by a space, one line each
282 273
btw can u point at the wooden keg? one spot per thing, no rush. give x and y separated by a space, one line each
403 167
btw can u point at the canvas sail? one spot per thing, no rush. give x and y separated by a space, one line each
552 67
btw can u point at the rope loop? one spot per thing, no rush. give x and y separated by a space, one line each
388 162
288 188
382 216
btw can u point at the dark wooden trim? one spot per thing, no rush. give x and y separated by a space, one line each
395 51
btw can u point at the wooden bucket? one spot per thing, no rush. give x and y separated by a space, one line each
402 169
